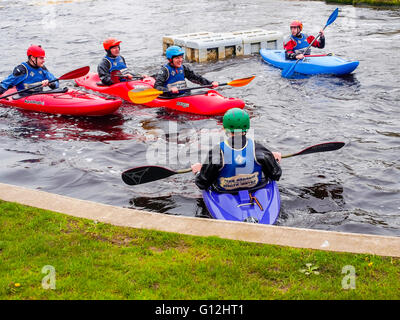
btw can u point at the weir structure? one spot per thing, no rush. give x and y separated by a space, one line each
207 46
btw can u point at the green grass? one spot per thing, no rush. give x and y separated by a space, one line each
367 2
99 261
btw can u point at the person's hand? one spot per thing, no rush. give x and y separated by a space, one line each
128 76
45 83
300 56
322 33
277 156
214 84
174 90
196 167
145 76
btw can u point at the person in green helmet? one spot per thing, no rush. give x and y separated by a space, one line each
238 162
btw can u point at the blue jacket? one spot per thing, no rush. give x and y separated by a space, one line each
25 76
176 77
109 64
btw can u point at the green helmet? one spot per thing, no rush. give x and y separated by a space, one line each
236 120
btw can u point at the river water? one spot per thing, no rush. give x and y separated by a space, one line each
355 189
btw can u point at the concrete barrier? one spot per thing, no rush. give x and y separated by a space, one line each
209 46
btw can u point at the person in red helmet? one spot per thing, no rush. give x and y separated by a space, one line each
113 69
297 43
30 73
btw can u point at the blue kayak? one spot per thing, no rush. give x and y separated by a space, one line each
310 65
259 205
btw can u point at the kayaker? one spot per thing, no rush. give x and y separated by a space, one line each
173 75
296 44
113 69
30 73
238 162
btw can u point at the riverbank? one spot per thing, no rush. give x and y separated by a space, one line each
85 250
382 3
49 255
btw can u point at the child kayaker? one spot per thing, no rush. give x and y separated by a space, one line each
30 73
173 75
238 162
113 69
296 44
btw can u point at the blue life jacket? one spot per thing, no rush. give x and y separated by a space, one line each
176 77
33 77
240 168
302 44
117 64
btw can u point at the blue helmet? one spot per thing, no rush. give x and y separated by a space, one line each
174 51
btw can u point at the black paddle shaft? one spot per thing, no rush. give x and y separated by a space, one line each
140 175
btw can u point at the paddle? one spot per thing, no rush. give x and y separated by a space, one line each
68 76
144 96
322 147
288 72
116 75
318 55
140 175
146 174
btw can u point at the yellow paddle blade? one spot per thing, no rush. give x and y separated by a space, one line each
240 82
143 96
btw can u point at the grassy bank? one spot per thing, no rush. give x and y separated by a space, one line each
98 261
367 2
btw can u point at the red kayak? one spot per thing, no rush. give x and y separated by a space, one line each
64 101
205 103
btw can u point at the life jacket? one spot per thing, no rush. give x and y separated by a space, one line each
117 64
301 44
33 76
176 77
240 168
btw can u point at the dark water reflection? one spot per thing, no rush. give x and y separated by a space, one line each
355 189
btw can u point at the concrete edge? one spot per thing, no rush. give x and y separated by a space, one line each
276 235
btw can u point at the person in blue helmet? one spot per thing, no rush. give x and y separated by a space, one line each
30 73
113 68
172 76
238 162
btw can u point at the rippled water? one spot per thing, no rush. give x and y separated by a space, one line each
355 189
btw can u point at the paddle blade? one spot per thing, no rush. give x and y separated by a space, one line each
116 76
241 82
322 147
332 17
143 96
146 174
75 74
289 71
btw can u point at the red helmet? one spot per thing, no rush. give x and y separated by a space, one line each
297 23
110 42
35 51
